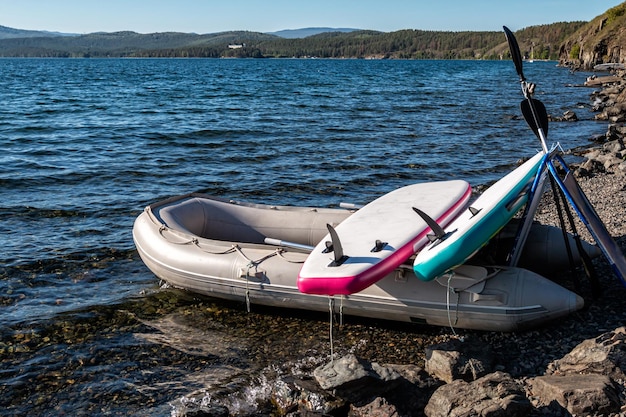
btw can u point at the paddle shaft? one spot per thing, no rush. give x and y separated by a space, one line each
286 244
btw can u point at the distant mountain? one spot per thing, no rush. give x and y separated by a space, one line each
10 33
306 32
132 44
545 41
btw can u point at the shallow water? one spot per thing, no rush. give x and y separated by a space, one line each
87 144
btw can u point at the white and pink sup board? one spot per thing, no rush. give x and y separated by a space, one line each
379 237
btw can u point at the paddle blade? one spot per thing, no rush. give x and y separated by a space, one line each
536 115
516 55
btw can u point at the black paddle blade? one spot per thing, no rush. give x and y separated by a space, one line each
516 55
536 115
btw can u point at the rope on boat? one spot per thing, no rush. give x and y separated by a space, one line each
258 261
458 297
252 264
247 292
458 292
281 253
163 228
341 312
331 308
234 248
193 241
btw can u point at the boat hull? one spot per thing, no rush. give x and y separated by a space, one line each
260 274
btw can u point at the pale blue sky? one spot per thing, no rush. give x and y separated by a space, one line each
210 16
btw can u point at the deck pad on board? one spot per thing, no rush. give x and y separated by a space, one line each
379 237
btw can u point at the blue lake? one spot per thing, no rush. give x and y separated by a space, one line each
87 144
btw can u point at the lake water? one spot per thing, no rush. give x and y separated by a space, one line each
87 144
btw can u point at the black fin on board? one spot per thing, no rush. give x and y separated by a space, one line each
340 258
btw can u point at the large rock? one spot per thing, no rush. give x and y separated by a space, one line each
456 359
610 157
603 355
379 407
355 379
302 395
412 394
578 394
493 395
589 379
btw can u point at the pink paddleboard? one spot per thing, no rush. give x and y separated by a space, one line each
379 237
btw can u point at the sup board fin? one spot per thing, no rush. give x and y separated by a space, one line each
474 210
439 233
335 246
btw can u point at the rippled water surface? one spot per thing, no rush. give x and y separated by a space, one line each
87 144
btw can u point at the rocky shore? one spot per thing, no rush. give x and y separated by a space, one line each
576 367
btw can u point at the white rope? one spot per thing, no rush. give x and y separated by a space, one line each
341 312
247 287
281 252
331 308
252 264
449 290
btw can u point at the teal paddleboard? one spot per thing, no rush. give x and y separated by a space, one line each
473 228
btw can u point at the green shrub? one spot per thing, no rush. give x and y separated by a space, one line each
615 12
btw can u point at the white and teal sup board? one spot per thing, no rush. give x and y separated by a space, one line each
379 237
472 229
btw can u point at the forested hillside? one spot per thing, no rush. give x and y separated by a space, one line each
543 41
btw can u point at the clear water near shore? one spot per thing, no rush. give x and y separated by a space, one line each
88 143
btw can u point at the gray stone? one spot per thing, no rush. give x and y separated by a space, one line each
457 359
603 355
379 407
415 375
578 394
291 395
614 146
493 395
570 116
355 379
412 394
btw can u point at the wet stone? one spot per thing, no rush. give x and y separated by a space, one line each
303 395
355 379
496 394
603 355
578 394
456 359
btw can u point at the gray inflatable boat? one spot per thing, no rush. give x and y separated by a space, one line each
218 248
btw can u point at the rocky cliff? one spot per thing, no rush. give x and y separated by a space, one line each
602 40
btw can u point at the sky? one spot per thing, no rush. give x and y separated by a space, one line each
211 16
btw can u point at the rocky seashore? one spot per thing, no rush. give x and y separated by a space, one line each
573 368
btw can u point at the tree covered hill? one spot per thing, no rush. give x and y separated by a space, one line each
545 41
9 33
